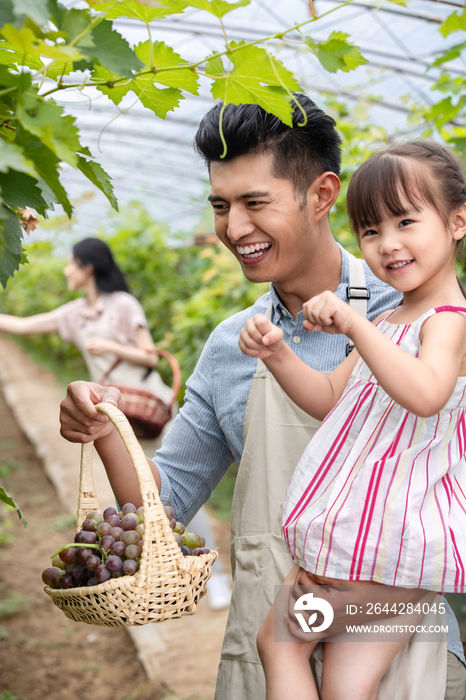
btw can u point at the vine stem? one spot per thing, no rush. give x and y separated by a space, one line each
293 98
220 129
228 51
151 46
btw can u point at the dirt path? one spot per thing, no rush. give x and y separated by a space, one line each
42 653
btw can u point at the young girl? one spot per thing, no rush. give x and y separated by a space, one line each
379 494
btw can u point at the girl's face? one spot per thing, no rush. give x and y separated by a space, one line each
415 250
77 275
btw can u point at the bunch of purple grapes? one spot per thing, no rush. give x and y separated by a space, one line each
189 542
107 546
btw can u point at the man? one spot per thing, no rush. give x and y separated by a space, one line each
271 197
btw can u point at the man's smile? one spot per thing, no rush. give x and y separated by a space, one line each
253 250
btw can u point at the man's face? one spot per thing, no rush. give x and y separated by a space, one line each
259 218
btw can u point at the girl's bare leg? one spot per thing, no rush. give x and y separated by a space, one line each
352 670
288 675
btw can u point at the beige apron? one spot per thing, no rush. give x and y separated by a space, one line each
276 432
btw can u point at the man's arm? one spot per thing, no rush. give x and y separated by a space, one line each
195 454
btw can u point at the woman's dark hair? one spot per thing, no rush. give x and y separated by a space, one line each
420 172
108 276
300 153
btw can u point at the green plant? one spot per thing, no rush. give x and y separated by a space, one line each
44 42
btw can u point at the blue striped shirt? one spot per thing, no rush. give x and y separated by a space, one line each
207 435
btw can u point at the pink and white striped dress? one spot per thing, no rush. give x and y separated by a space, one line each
379 493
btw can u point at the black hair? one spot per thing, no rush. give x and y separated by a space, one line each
108 276
300 153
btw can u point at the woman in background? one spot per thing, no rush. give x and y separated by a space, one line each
109 324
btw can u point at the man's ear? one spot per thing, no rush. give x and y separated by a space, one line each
322 194
458 223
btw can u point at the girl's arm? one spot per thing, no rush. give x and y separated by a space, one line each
313 392
40 323
420 384
143 353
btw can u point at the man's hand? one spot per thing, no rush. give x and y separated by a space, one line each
79 420
260 338
326 312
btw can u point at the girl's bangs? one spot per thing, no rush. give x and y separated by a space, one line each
381 188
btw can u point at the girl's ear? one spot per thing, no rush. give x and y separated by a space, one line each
458 224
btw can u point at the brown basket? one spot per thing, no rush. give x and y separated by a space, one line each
167 583
146 412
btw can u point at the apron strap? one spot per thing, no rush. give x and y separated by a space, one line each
357 292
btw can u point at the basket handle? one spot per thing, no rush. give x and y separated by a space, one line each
87 497
155 520
175 367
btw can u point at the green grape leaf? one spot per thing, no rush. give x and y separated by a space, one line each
48 195
257 77
12 157
337 53
443 111
449 54
447 84
73 23
97 175
137 10
261 64
37 10
110 50
116 93
21 190
23 47
54 70
45 119
158 100
56 11
7 15
219 8
11 252
47 166
60 52
21 40
214 66
453 23
164 57
6 498
9 56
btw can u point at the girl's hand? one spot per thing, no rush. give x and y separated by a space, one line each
99 346
260 338
326 312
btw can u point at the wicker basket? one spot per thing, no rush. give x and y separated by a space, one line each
146 412
167 584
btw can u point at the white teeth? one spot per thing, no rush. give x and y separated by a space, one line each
395 266
252 250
